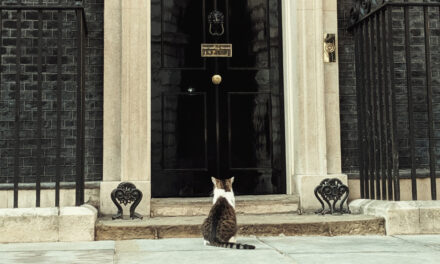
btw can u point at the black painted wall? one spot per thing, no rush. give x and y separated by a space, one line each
28 93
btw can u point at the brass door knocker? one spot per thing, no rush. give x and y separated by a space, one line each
216 21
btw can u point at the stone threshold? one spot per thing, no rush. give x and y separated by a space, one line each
250 204
402 217
249 225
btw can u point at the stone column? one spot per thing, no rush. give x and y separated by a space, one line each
312 108
126 100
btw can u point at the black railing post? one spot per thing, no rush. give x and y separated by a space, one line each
381 88
17 109
364 101
1 43
80 109
410 104
388 126
393 112
59 108
360 115
432 155
39 107
370 102
375 105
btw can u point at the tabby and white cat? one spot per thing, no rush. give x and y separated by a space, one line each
220 227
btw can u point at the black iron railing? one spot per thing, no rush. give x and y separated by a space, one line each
46 25
397 69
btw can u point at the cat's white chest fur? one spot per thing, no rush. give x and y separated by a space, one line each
229 196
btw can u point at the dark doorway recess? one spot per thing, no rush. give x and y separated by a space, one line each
201 130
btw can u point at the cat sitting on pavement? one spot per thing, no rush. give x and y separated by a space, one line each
220 227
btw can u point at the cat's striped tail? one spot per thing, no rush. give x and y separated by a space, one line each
231 245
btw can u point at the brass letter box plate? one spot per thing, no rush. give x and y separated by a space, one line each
216 50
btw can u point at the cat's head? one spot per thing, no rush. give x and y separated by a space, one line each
223 188
223 184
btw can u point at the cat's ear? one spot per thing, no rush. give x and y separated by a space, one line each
213 180
232 180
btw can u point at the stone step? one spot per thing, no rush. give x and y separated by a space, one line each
260 204
249 225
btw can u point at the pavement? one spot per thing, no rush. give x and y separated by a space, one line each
269 250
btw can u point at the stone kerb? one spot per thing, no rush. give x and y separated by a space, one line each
47 224
77 223
403 217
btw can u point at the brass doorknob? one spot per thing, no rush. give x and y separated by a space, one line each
216 79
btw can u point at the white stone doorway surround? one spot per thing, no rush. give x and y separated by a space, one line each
311 92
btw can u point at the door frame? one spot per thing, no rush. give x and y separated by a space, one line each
311 98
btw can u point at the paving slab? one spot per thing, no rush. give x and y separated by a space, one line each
189 244
58 246
367 258
58 257
223 256
426 240
270 250
341 244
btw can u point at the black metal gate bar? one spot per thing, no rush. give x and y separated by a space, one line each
360 119
364 139
389 158
375 89
410 104
432 155
393 112
381 103
59 108
39 108
80 111
17 110
364 99
364 60
371 104
1 43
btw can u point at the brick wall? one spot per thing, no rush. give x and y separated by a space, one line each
347 90
29 93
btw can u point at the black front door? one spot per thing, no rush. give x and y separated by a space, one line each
201 130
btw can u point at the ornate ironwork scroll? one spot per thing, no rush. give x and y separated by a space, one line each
216 21
126 193
332 190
